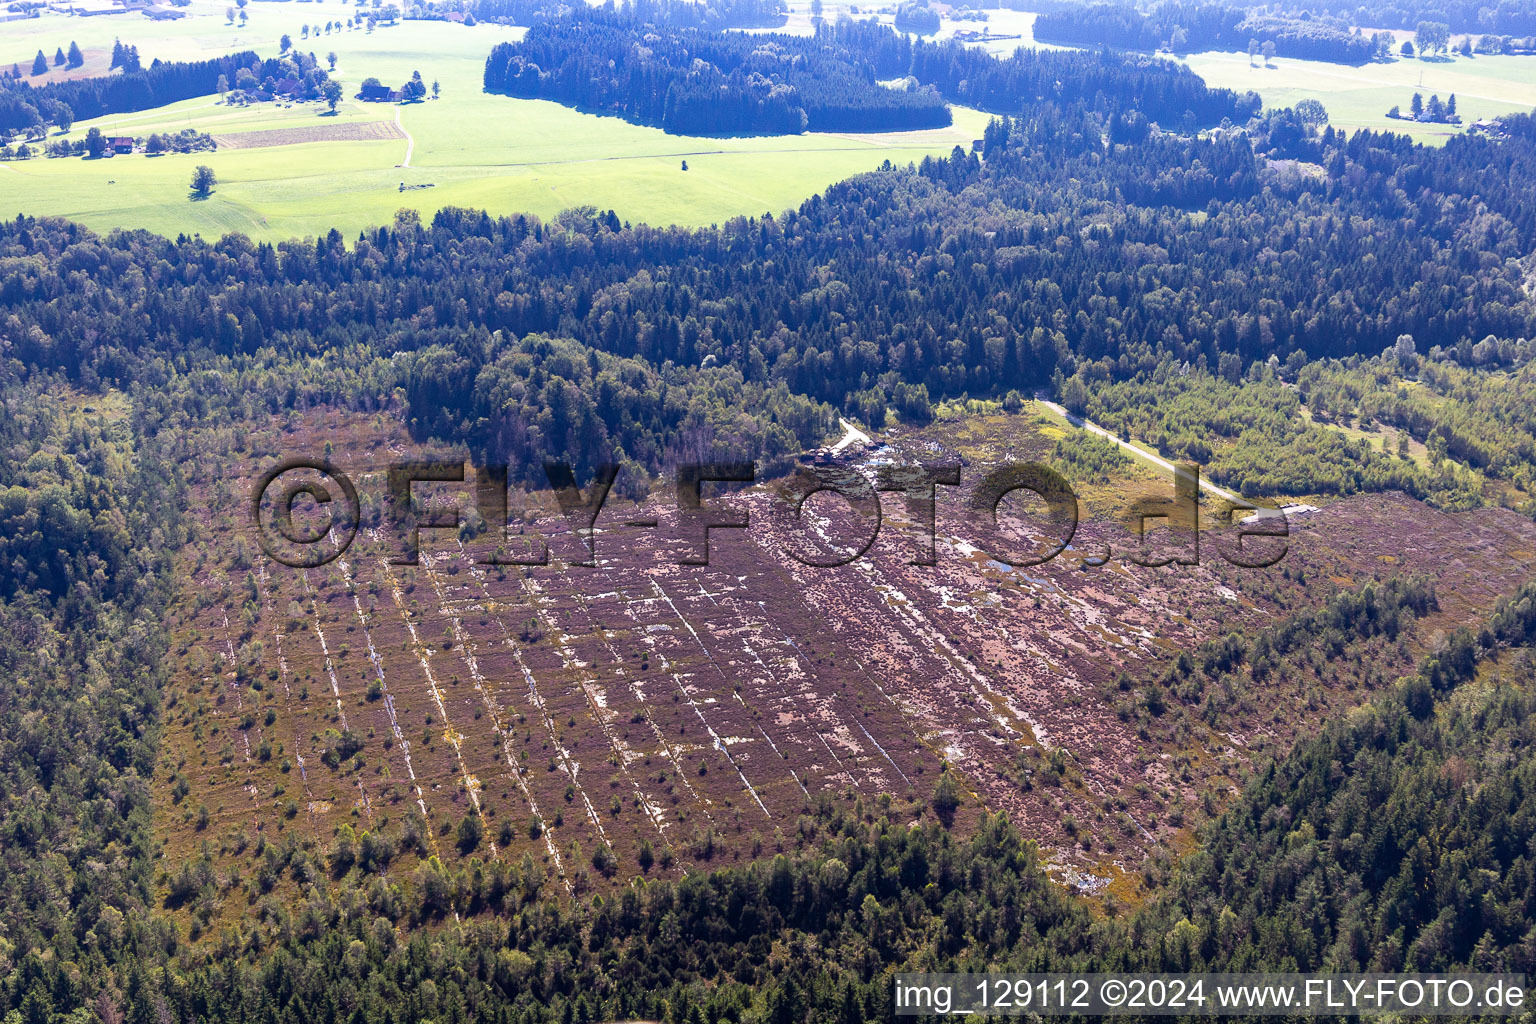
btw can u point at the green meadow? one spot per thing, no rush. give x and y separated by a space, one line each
1359 97
508 155
493 152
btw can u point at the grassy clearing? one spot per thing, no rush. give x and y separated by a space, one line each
491 152
1378 435
1359 97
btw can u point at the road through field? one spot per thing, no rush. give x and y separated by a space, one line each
1156 460
410 143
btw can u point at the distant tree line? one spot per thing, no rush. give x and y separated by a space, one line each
1501 17
711 15
763 83
696 82
823 301
917 18
22 106
1159 90
1188 26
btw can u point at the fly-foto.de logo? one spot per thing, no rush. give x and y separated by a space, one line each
305 512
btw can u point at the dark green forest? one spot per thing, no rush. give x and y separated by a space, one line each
691 82
1189 27
712 15
715 83
24 107
1054 253
1503 17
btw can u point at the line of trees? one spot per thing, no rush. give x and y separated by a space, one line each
694 82
1188 25
710 15
1158 90
73 59
1006 307
917 18
22 106
729 83
1500 17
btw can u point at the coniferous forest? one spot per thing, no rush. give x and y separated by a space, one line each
712 15
1190 287
22 105
1504 17
726 84
697 82
1189 27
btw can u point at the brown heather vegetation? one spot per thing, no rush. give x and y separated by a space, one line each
589 725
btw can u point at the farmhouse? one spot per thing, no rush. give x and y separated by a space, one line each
379 94
968 35
92 10
120 143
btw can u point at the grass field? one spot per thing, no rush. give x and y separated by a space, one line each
490 152
1359 97
508 155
